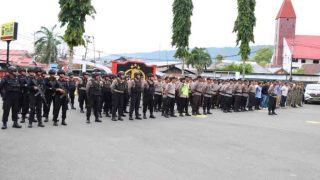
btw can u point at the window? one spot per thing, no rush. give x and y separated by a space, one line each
294 60
303 61
315 61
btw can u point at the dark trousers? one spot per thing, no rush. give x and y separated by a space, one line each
148 103
157 101
164 104
258 101
227 103
135 103
10 102
50 99
272 103
196 103
207 104
252 100
25 104
243 103
35 107
82 98
107 102
237 102
183 105
117 104
219 97
94 104
60 103
126 101
283 101
170 105
214 101
71 95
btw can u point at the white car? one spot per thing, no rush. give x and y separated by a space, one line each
312 93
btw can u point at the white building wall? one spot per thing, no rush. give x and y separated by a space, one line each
286 56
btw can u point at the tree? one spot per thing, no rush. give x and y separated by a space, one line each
46 46
181 28
200 59
244 27
239 68
298 71
73 13
219 58
263 56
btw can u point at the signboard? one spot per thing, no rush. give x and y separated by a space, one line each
130 67
9 31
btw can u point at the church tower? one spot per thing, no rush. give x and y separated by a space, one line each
285 28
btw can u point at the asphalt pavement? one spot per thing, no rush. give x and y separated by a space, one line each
233 146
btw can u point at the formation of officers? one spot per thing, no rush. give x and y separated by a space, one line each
33 92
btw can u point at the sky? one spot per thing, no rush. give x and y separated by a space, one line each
126 26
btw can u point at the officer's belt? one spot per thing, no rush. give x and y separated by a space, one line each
171 94
117 91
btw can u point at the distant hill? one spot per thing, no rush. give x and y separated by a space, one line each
230 53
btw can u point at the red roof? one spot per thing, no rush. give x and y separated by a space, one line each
286 10
305 47
311 68
19 58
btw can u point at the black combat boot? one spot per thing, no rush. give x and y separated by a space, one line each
187 114
88 120
152 116
204 112
274 113
269 113
173 115
113 119
107 114
181 115
23 119
55 123
72 107
120 118
144 116
40 123
81 111
63 123
30 124
209 112
97 120
46 120
138 118
131 118
4 125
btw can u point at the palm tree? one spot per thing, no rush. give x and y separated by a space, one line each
199 59
46 46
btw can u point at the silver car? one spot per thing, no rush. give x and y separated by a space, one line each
312 93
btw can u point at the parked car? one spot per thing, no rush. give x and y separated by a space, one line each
312 93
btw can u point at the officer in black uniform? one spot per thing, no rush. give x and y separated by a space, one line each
82 95
35 97
135 90
106 94
72 89
118 88
49 86
94 92
24 96
10 87
126 96
61 98
148 96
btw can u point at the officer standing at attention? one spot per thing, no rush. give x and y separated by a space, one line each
106 94
148 96
35 97
11 87
61 98
72 89
135 90
118 87
49 84
82 95
158 95
24 98
94 92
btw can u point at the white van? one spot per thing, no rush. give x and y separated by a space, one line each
312 93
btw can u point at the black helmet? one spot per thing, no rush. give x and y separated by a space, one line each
37 70
84 73
12 69
32 69
120 73
70 74
61 72
21 69
94 74
52 72
44 71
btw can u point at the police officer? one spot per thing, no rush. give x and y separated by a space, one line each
82 95
72 89
207 97
135 90
197 89
158 95
49 85
24 97
107 94
11 87
61 98
148 96
118 87
94 93
36 96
